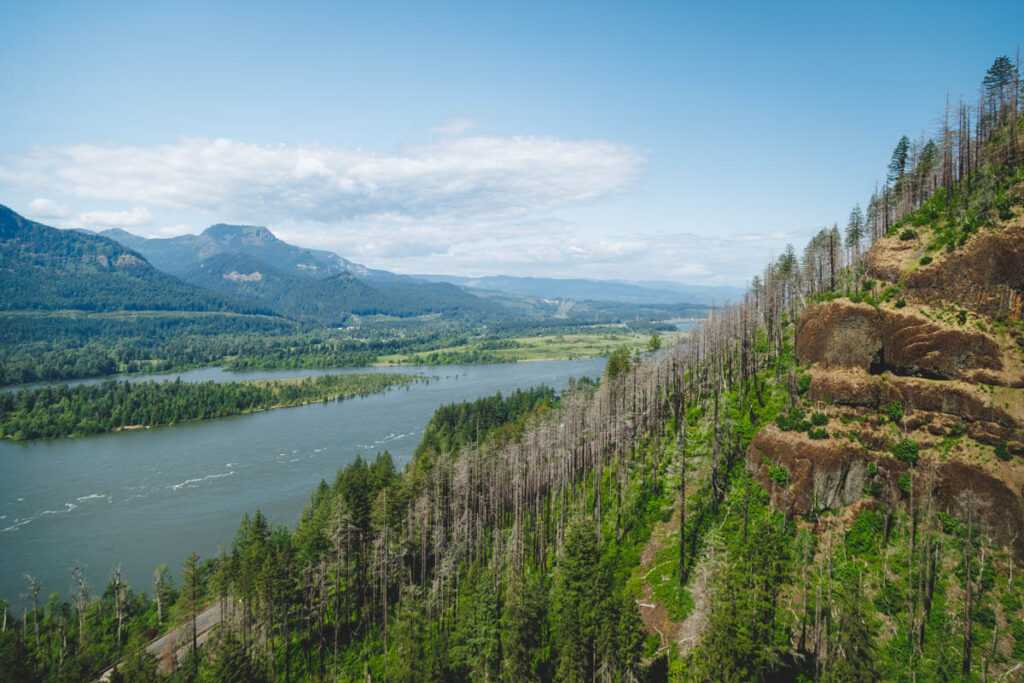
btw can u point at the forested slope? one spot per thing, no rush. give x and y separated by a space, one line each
43 268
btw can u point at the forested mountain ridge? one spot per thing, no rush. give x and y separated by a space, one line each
308 285
177 255
43 268
242 275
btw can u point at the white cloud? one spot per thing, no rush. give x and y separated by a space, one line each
136 216
454 126
41 207
453 179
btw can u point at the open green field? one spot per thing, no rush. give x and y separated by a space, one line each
541 347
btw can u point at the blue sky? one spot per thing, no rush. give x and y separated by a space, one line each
635 140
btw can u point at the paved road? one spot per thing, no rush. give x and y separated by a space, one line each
171 647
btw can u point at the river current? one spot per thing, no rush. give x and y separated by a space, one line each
141 498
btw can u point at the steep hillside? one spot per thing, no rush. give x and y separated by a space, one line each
244 276
43 268
919 374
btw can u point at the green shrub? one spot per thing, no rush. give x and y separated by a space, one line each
874 489
864 531
957 430
893 411
803 426
856 298
904 482
1003 451
819 419
890 599
791 421
908 234
1018 635
901 303
926 260
872 469
778 475
867 285
817 433
951 525
985 615
961 317
803 382
889 292
1011 602
906 450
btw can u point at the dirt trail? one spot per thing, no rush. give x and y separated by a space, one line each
654 615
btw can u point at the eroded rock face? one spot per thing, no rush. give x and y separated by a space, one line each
829 474
825 474
839 334
844 334
914 345
853 387
129 260
986 276
963 401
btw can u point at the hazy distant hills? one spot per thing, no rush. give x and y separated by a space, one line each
247 269
44 268
304 284
649 292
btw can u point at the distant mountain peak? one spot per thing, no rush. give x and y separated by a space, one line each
252 235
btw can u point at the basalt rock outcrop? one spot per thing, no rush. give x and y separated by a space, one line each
943 371
986 276
855 335
830 474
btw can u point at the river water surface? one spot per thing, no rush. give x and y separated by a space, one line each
150 496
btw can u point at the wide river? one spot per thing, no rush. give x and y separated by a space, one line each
141 498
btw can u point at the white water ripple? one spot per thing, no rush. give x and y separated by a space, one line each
191 482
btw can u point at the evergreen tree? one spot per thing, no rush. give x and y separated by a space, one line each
405 661
746 639
898 162
578 588
999 79
855 230
618 363
232 663
523 629
852 657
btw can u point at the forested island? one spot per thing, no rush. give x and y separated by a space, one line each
59 411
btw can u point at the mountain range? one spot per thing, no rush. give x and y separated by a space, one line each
195 257
247 269
44 268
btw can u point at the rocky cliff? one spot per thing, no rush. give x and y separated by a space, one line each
911 387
